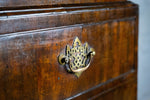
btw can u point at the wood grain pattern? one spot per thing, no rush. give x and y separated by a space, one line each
31 61
57 18
124 92
31 38
122 87
20 3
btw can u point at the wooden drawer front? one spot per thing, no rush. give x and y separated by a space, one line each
31 65
30 45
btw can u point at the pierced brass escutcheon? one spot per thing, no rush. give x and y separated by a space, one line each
76 58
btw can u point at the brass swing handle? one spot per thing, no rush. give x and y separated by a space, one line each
77 58
64 60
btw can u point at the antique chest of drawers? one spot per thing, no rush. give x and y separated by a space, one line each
68 49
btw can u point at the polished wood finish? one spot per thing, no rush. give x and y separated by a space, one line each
119 88
23 3
32 39
25 20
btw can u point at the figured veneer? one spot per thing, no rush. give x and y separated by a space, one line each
32 35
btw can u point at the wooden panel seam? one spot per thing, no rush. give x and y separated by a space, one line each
122 77
20 3
47 20
61 27
68 8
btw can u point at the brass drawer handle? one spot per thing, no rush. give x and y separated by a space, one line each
77 58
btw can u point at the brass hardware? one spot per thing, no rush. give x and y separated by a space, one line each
77 58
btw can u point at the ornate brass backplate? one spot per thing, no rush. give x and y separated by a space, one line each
76 58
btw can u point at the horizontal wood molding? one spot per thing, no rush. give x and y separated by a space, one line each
34 32
30 59
19 3
26 20
107 86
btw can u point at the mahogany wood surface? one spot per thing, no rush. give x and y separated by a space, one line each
32 37
20 3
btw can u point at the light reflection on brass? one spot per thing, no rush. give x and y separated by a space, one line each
77 58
